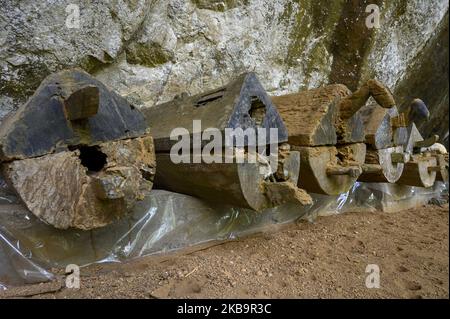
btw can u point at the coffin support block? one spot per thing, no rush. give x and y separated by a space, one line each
416 172
387 169
317 161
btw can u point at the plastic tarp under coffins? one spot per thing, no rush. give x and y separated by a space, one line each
164 222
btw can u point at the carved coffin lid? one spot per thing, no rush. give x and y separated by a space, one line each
379 125
69 108
311 115
243 103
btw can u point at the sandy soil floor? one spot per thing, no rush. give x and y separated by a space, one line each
326 259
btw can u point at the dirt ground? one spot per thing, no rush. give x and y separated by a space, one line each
325 259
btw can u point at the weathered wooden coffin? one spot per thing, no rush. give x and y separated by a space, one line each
77 154
420 167
243 103
385 159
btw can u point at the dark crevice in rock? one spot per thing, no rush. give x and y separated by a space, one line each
351 43
427 77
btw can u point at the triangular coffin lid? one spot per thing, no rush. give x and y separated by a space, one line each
409 138
378 130
43 125
243 103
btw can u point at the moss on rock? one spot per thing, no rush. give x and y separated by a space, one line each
147 54
219 5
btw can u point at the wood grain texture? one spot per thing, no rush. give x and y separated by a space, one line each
316 160
61 191
310 115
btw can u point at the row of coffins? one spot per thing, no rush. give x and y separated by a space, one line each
78 155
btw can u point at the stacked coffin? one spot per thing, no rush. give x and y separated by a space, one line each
79 156
230 115
325 125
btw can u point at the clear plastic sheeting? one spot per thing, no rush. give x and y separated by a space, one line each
17 266
371 197
164 222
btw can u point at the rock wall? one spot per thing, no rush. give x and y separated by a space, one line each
150 50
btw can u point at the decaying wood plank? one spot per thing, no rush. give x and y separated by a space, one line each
284 192
378 126
312 117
